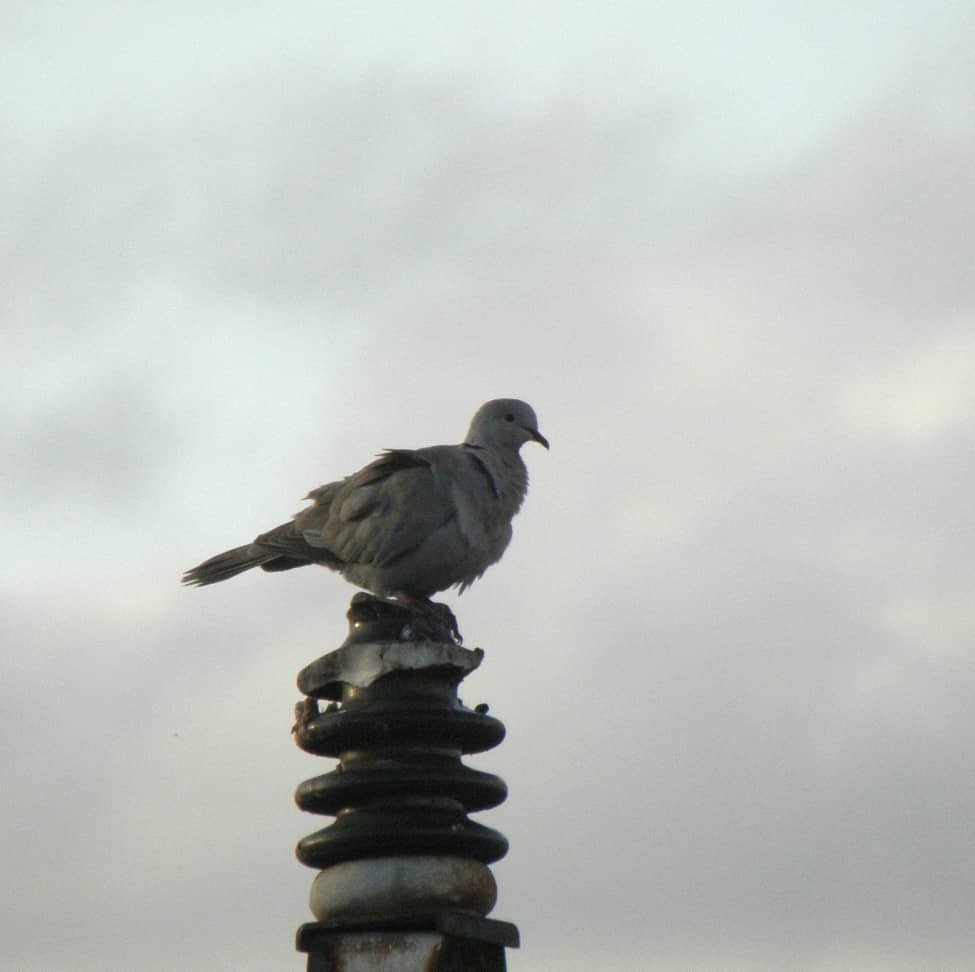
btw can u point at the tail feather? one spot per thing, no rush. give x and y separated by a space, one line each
228 564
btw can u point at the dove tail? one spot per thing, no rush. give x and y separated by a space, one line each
228 564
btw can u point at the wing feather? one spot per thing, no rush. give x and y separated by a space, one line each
378 515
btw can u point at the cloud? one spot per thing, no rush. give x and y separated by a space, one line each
732 659
921 396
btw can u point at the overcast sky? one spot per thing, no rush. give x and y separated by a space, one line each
726 251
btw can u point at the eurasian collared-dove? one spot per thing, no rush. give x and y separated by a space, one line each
411 523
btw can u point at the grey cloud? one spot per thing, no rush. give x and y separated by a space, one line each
90 447
720 747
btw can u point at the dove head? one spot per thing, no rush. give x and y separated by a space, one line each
505 423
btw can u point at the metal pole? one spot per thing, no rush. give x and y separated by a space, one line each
403 883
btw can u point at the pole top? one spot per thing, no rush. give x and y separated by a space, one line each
385 637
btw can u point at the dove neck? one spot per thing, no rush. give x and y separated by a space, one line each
507 470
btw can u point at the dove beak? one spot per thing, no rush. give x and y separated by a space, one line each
538 437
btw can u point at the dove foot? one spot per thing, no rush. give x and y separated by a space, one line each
404 617
445 617
432 620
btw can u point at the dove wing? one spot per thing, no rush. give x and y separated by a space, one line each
380 513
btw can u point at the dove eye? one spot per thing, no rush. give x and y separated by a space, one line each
508 417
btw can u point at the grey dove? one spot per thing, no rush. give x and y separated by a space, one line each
412 522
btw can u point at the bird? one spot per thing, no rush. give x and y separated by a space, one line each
411 523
